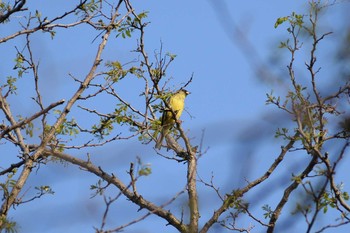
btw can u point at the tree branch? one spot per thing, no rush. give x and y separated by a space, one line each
137 199
18 6
224 207
33 117
48 137
47 25
276 213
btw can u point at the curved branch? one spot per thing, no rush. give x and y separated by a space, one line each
137 199
276 213
224 207
48 24
33 117
16 8
51 133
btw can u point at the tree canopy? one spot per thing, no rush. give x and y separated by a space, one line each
99 115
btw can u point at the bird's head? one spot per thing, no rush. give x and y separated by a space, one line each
185 91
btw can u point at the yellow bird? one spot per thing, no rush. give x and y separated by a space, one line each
177 103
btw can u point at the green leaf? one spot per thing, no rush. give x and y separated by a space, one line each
325 209
172 56
29 129
281 20
52 34
268 211
45 189
19 61
7 225
91 6
145 171
142 15
37 14
10 83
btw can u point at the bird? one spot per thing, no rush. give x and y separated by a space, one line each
176 103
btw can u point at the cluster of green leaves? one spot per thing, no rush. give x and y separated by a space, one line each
144 169
116 71
45 189
157 73
309 109
329 200
9 183
10 84
29 127
3 7
120 116
43 22
104 128
307 115
237 206
90 6
234 199
296 23
128 26
302 208
294 19
267 211
42 190
282 132
7 225
19 66
98 188
68 127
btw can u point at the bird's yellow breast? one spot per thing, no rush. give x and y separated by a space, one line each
177 104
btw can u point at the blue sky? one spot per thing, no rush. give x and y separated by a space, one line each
227 100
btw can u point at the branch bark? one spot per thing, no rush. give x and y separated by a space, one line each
224 207
192 192
30 161
137 199
17 7
33 117
276 213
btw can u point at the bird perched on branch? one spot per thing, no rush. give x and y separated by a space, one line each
176 103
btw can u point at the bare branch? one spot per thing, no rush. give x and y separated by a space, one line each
50 134
18 6
48 24
224 207
288 191
33 117
137 199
